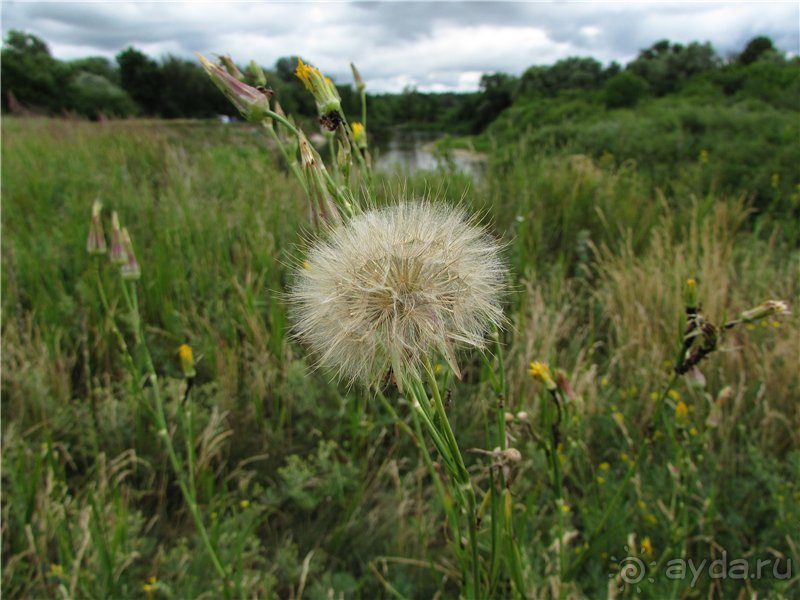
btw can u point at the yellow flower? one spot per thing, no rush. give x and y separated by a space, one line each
619 418
244 503
321 87
651 518
681 410
604 466
703 158
306 264
187 360
654 396
693 431
674 394
604 381
601 480
541 373
56 569
647 546
359 134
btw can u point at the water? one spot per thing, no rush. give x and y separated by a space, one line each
415 151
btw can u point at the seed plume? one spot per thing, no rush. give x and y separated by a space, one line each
395 285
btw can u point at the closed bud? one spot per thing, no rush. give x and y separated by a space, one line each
690 294
323 208
512 455
360 85
765 309
230 66
96 242
117 253
256 74
508 417
130 270
252 103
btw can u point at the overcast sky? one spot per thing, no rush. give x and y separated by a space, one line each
435 46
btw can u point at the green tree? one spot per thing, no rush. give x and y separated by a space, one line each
188 92
31 74
624 90
92 95
755 49
140 77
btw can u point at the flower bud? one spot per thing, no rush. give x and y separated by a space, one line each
252 103
324 91
690 294
187 360
323 207
96 242
765 309
117 253
256 74
359 135
511 455
360 85
541 373
230 66
130 270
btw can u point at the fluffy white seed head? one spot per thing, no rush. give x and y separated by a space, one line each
395 285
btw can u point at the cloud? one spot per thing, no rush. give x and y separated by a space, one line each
434 46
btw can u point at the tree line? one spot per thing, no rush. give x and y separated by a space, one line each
135 84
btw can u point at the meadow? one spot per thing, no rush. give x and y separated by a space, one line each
302 487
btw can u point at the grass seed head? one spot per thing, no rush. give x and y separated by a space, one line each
394 286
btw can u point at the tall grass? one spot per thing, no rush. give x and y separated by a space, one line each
309 490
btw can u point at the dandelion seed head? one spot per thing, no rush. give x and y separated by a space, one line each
396 285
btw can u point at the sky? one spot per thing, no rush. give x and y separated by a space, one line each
433 46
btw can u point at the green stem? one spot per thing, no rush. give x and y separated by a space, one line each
161 421
461 475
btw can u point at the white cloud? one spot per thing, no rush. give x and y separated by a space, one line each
432 45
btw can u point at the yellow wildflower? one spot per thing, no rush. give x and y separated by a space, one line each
674 394
681 410
541 373
322 88
56 570
647 546
604 466
359 134
601 480
244 503
187 360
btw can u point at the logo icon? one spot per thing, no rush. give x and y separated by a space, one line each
631 570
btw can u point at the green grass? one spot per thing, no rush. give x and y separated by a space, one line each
306 488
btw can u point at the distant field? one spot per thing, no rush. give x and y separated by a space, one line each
311 489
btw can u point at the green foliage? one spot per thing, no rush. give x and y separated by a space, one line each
94 94
31 74
305 485
624 90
